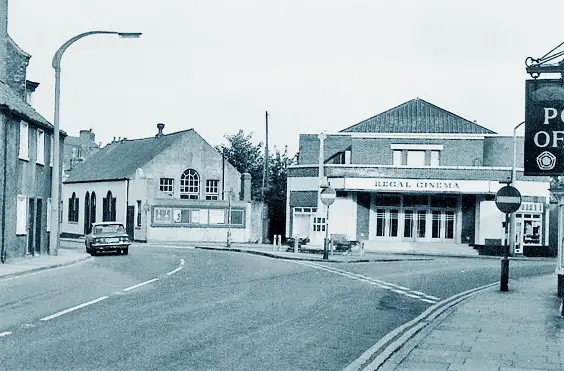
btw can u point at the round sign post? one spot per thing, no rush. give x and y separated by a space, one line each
327 196
507 200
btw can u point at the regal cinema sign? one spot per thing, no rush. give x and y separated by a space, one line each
544 127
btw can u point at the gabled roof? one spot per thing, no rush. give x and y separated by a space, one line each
120 160
417 116
15 104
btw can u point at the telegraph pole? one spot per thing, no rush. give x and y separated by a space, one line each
264 177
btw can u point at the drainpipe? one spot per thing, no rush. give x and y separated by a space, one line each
3 251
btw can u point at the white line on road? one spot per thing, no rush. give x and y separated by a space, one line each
373 281
58 314
177 269
5 333
140 284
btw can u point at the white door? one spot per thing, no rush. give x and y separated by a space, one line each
302 225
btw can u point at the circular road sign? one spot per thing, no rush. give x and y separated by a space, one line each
508 199
328 196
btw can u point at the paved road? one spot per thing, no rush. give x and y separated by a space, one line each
220 310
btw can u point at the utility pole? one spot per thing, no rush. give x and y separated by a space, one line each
264 176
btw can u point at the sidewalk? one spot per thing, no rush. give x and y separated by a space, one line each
41 262
516 330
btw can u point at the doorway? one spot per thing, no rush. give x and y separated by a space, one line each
31 227
38 229
415 224
130 221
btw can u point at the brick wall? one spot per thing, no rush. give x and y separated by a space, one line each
309 147
498 151
16 63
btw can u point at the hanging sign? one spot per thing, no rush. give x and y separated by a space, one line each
544 127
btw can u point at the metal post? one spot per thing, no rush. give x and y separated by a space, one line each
504 282
326 240
296 243
513 228
229 221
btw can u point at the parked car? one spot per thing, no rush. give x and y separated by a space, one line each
107 236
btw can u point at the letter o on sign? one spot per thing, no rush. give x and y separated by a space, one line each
328 196
508 199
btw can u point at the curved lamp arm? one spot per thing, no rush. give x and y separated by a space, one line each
59 54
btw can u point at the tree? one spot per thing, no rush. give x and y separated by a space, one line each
248 157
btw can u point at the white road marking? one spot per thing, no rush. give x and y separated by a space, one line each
177 269
5 333
402 290
140 284
428 301
58 314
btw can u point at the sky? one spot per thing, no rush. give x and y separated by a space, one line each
315 65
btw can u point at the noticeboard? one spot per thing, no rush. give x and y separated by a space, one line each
544 127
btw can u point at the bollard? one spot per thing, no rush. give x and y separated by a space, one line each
504 282
296 244
278 242
361 250
273 242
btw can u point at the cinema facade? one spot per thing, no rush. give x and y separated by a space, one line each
415 173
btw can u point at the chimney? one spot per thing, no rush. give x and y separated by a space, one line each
3 39
246 187
160 126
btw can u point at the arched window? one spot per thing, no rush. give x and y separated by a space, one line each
93 207
73 208
87 225
190 185
109 208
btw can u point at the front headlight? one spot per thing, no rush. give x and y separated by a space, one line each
124 239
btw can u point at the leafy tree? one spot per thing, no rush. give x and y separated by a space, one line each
248 157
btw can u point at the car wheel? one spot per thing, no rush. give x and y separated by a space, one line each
91 251
125 251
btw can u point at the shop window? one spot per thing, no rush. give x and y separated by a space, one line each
380 222
449 225
236 217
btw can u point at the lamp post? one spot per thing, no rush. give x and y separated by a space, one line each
229 195
55 172
513 222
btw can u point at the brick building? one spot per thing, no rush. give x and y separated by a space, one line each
170 187
414 173
77 149
25 156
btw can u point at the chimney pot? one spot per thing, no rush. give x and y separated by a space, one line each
160 126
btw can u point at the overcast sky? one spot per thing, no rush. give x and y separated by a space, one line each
217 66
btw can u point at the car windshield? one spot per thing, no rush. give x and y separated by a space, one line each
110 228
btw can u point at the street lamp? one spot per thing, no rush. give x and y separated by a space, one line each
513 222
230 194
55 174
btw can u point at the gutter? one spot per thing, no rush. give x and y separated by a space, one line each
5 157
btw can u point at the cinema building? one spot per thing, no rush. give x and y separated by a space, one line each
414 173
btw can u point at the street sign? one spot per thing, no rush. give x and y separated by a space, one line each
328 196
508 199
544 127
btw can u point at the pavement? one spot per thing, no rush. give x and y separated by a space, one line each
465 336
